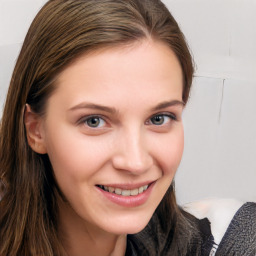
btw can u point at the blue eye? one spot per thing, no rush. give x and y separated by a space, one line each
95 122
161 119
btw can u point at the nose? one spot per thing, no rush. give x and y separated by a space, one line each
132 153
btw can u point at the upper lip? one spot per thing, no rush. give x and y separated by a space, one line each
128 186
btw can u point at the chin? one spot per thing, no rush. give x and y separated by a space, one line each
129 225
128 230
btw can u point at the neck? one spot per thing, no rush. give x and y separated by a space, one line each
80 237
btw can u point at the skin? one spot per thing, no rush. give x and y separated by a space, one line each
127 146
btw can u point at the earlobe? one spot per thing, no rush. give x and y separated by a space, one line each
34 130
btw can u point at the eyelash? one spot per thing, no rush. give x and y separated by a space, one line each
85 120
169 115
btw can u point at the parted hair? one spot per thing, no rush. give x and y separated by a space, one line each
62 31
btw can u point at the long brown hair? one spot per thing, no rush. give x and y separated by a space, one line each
60 33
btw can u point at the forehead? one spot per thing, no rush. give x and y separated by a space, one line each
148 67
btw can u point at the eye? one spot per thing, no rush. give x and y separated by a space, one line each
161 119
94 122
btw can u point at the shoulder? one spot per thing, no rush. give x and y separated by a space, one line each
233 224
240 236
219 212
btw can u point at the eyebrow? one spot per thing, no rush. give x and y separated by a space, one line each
111 110
166 104
94 106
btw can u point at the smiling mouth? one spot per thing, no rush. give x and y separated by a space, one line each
124 192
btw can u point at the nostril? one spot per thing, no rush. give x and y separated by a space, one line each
132 164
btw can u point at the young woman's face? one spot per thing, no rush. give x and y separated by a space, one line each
114 135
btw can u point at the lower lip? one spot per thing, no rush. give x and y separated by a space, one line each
128 201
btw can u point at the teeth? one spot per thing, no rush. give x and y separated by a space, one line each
111 190
125 192
118 191
135 192
141 189
145 187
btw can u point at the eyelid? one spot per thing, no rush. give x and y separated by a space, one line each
168 114
83 119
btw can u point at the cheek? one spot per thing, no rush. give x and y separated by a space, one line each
73 154
170 151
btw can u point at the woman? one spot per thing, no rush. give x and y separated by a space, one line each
92 135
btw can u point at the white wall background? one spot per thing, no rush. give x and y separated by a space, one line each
220 119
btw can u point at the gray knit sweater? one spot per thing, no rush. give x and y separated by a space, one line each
238 240
240 237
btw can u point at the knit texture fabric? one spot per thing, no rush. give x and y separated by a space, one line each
239 239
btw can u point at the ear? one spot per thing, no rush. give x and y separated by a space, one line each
34 129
